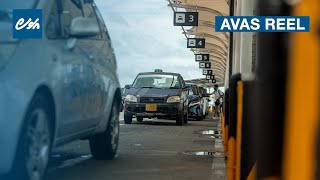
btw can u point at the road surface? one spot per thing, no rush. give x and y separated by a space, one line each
152 149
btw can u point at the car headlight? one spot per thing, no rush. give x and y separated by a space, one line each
173 99
131 98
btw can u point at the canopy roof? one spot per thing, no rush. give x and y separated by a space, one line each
216 42
203 82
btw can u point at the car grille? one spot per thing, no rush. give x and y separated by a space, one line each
151 100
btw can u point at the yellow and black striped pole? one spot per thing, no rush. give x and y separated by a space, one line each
225 121
232 134
246 157
302 123
271 91
239 129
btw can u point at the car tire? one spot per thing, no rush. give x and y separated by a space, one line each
127 119
121 107
205 116
180 120
139 119
199 117
103 146
35 143
186 117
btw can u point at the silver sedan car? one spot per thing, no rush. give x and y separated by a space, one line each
57 89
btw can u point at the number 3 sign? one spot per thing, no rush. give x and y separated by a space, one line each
185 19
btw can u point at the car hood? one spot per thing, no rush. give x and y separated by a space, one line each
153 92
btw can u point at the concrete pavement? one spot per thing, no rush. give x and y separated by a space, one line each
152 149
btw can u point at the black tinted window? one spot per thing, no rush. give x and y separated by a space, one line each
195 90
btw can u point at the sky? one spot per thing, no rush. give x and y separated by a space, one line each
144 39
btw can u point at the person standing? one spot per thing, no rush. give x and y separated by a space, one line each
218 96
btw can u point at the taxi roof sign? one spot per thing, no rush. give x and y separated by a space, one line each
158 70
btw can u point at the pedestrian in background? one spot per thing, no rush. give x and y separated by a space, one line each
218 98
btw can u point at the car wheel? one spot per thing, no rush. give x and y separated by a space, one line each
127 119
104 145
199 117
186 117
35 142
139 119
121 106
180 120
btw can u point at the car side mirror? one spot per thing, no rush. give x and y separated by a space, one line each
127 86
83 27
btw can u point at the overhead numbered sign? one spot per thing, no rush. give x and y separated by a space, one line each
202 57
205 65
212 81
196 43
207 72
185 19
210 77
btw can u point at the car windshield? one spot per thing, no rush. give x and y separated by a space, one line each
156 81
17 4
7 7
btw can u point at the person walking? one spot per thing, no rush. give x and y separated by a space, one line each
218 96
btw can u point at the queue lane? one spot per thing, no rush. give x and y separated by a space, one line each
152 149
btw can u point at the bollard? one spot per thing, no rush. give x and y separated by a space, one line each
271 75
248 148
239 129
232 131
226 121
302 123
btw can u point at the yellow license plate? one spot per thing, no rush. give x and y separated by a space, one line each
151 107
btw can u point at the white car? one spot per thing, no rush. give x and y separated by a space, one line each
205 101
57 89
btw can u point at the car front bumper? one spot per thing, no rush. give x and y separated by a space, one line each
164 110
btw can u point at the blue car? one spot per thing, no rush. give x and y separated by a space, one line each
160 95
196 97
